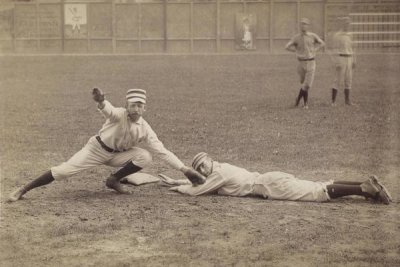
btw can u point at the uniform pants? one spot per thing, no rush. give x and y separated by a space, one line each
306 71
284 186
92 154
344 73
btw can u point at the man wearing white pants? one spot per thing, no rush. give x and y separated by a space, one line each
116 146
344 60
305 44
229 180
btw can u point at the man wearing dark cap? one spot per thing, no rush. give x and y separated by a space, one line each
116 145
305 44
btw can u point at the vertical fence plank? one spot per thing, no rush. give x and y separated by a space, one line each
271 36
218 26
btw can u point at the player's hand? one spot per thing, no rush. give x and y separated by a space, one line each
175 189
98 95
167 180
193 176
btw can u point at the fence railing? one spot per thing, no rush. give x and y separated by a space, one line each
187 26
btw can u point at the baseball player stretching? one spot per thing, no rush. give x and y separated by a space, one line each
344 60
305 44
229 180
115 145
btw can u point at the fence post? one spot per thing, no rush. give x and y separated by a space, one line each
165 26
62 24
113 27
218 27
271 37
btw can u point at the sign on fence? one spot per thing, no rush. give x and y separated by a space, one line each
246 25
75 17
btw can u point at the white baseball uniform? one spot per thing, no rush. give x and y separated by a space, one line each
122 135
306 47
230 180
344 60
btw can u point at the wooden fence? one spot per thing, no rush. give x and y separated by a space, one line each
187 26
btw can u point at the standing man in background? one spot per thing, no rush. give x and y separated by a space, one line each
305 44
344 60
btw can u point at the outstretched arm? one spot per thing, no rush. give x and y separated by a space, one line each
98 96
212 184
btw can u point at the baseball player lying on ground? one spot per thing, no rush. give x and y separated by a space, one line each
229 180
115 145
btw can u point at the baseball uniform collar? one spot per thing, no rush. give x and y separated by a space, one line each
139 121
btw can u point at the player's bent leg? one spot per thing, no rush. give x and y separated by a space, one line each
43 179
113 181
132 161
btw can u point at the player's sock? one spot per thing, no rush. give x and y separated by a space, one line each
341 190
305 96
301 94
43 179
126 170
347 96
347 182
334 94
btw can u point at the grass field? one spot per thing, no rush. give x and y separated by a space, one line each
237 108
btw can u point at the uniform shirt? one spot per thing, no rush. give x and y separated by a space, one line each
119 132
305 44
226 179
343 43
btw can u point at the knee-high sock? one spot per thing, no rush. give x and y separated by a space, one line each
43 179
347 182
305 96
341 190
128 169
347 96
334 93
301 94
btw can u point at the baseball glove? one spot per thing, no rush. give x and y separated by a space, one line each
98 95
194 177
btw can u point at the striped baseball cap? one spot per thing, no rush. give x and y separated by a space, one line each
136 95
199 159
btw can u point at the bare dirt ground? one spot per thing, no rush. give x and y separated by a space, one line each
237 108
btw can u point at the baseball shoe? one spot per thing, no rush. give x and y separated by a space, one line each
383 194
114 184
16 195
371 189
333 104
305 107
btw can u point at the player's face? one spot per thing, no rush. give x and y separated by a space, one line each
135 110
206 167
304 27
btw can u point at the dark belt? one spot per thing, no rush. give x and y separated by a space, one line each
105 147
345 55
306 59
